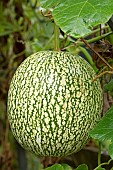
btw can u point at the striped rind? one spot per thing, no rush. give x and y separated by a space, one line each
53 103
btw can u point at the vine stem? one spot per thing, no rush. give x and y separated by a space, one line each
105 163
88 45
89 58
56 37
79 43
97 30
99 154
92 40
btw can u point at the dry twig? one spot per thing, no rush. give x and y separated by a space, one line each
88 45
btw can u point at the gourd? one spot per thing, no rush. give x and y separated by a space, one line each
53 103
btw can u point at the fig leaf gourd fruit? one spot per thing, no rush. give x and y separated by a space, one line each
53 103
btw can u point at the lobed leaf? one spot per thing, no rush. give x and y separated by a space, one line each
77 18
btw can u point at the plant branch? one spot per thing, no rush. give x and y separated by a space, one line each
88 45
98 76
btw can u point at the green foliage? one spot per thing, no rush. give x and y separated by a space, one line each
55 167
49 4
8 26
66 167
82 167
78 17
109 87
100 168
104 130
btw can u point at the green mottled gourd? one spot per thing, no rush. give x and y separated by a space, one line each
53 103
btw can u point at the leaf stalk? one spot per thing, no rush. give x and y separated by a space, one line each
56 37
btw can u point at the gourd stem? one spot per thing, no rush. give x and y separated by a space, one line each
56 37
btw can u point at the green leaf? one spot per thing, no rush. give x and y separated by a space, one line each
100 168
109 86
66 167
49 4
55 167
82 167
104 130
78 17
59 167
111 149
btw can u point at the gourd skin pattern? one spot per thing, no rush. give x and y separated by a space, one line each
53 103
